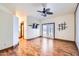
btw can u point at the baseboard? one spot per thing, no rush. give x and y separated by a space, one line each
12 47
48 37
64 40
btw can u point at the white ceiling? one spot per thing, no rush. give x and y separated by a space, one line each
30 9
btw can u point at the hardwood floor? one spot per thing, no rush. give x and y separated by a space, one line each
42 47
65 48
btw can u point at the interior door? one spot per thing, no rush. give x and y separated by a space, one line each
48 30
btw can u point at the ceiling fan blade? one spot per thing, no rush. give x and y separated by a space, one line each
40 11
49 13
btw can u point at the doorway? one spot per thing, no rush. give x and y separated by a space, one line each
22 30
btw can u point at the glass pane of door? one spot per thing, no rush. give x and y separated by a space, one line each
44 30
48 30
51 31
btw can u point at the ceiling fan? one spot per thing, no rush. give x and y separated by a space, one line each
45 12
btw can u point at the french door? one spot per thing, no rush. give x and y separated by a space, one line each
48 30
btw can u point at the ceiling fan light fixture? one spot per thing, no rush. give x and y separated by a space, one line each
45 12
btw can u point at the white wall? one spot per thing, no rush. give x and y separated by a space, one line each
15 30
32 33
6 39
77 27
67 34
6 29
